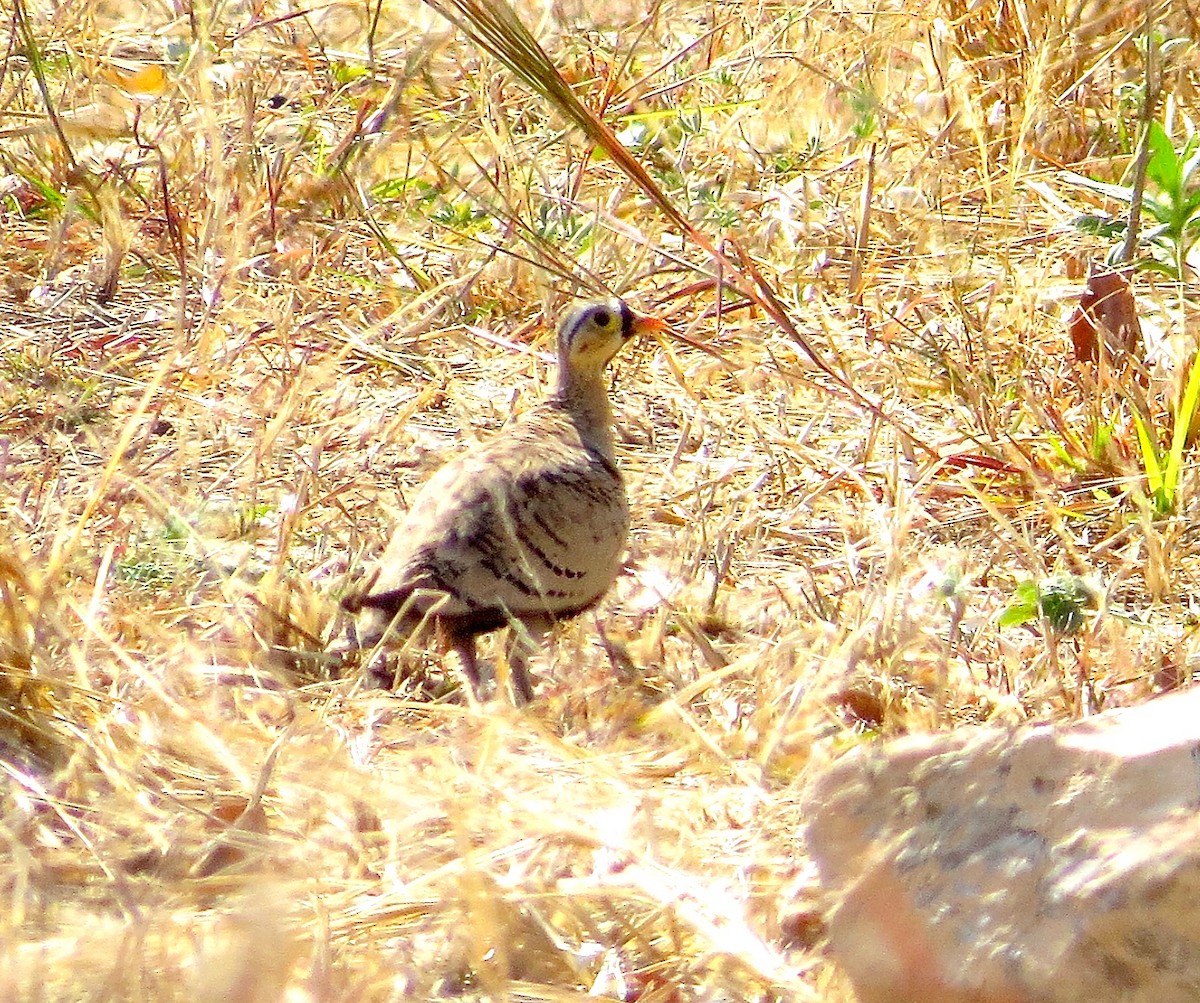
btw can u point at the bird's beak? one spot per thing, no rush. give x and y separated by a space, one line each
646 325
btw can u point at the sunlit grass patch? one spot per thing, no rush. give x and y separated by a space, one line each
326 242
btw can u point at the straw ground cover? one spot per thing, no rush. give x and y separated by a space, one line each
266 266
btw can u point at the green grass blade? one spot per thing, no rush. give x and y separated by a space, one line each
1150 461
1183 422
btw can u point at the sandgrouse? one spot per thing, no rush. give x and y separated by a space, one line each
528 528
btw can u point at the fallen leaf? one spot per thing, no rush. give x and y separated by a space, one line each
1106 311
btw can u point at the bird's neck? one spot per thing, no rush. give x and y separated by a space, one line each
584 396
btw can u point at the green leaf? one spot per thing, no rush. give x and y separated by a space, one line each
1164 168
1015 614
1023 608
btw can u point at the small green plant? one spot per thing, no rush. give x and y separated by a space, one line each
690 122
720 214
460 215
864 102
558 224
1174 204
1059 603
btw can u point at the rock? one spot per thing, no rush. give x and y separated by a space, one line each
1048 864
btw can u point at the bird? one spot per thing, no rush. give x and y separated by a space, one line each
522 531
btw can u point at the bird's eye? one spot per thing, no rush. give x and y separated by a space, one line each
602 318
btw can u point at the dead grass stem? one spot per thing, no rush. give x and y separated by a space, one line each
264 269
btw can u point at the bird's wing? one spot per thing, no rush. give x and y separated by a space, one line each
535 530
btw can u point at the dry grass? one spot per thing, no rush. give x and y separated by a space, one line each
265 267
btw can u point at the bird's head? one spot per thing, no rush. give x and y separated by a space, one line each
592 333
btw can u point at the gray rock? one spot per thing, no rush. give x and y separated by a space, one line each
1049 863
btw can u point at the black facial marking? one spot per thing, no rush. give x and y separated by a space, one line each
626 320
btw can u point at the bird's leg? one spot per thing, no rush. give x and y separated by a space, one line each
383 668
463 646
524 638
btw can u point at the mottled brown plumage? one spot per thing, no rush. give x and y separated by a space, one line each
528 528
